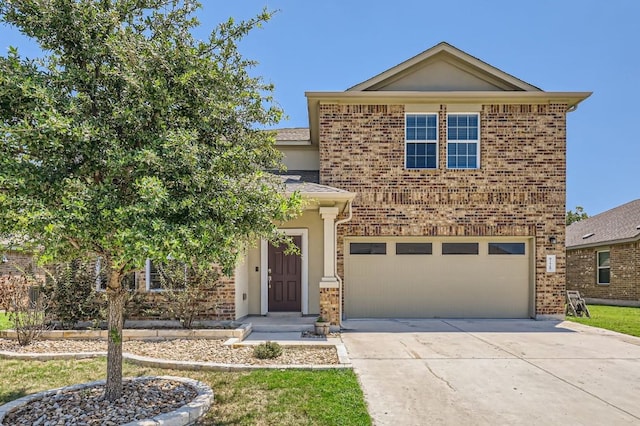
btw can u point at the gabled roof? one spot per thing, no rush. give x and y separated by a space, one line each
448 59
620 224
442 74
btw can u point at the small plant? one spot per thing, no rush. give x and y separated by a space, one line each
321 319
25 305
267 350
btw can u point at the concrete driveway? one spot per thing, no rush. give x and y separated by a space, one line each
495 372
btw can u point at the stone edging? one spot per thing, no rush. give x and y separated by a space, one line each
185 415
141 334
343 358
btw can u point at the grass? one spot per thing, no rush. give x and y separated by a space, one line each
259 397
5 324
615 318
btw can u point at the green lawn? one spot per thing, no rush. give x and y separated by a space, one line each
615 318
5 324
260 397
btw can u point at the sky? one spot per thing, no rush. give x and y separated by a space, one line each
556 45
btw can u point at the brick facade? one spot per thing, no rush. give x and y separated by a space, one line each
219 304
625 272
519 189
17 262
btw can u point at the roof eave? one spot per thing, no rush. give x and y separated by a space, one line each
572 99
326 196
605 243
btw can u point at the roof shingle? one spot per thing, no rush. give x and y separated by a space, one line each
617 224
293 134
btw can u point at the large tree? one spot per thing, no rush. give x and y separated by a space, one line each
130 139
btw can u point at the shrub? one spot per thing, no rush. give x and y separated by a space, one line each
25 305
267 350
185 290
71 291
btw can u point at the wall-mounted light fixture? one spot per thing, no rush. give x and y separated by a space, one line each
4 258
552 239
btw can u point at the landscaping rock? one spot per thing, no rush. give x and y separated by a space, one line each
142 398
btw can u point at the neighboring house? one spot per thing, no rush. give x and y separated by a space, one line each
14 259
434 189
603 256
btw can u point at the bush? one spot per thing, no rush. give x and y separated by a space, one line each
71 291
267 350
185 290
25 305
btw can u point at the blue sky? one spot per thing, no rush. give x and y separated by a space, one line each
557 45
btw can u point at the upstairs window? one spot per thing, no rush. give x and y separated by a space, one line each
604 268
463 141
421 141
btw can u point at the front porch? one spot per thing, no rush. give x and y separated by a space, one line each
271 281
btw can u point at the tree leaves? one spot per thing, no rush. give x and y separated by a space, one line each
130 139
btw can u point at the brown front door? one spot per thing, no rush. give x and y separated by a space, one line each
285 279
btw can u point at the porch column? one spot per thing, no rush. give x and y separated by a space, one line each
328 215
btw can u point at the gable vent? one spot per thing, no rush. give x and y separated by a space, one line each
584 237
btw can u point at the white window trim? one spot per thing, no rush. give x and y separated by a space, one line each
426 141
264 266
98 268
598 267
147 278
477 141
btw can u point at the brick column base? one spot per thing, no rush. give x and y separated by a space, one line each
330 305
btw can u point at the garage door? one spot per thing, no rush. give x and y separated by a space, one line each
447 278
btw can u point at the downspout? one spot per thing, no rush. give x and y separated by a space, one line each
335 260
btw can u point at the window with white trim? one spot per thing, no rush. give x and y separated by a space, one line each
160 277
421 141
129 281
604 267
463 141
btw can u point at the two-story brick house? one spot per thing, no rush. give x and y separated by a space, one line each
436 188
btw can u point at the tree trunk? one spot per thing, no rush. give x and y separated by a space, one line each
116 296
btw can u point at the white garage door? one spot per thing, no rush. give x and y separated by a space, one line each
414 277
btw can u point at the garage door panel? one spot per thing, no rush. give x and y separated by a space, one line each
453 286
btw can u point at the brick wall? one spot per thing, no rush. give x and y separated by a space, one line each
17 261
625 273
519 189
219 304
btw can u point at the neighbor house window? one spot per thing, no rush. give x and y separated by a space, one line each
463 141
459 248
421 141
506 248
368 248
413 248
604 267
